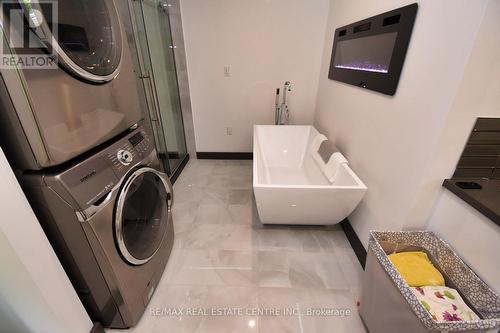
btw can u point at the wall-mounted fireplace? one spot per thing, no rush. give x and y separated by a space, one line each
370 53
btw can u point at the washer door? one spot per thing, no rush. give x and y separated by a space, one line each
89 36
143 212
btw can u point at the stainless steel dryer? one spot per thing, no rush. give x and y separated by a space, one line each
50 116
109 221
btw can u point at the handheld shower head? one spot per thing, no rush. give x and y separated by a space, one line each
288 86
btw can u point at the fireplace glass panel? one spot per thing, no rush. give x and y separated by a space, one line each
369 54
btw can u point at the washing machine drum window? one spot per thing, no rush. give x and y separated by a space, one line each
88 39
142 215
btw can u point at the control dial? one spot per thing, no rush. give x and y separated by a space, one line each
124 157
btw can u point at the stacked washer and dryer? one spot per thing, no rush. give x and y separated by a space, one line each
89 170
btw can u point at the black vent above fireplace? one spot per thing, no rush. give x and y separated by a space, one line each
370 53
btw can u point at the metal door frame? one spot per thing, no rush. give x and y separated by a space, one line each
154 110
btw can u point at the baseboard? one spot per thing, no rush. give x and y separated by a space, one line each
353 239
223 156
175 155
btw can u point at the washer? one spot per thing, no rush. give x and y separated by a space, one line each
51 116
109 220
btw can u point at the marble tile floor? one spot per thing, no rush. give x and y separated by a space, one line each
229 273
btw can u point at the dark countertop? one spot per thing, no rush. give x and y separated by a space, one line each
485 200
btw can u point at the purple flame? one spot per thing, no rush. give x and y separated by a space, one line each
367 67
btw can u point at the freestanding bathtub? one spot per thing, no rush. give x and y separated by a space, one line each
292 182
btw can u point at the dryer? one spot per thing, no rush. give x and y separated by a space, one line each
50 116
109 220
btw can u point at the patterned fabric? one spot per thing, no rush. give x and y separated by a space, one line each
477 292
444 304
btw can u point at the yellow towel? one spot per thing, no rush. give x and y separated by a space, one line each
417 269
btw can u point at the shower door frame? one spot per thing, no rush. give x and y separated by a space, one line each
152 100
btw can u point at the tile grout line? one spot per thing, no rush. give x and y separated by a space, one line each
220 268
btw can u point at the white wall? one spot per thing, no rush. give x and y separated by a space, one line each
478 96
401 146
473 236
265 43
35 293
390 140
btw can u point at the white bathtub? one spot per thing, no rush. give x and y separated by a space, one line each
288 182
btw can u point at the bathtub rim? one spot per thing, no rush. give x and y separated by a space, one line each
360 185
257 154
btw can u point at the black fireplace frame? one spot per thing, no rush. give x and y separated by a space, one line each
399 20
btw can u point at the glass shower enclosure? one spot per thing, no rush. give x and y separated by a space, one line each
155 49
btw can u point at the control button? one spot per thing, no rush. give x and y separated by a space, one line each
124 156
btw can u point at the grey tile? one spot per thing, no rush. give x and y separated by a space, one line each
218 236
214 267
241 214
345 319
275 238
288 301
317 270
330 239
239 197
223 256
272 269
212 213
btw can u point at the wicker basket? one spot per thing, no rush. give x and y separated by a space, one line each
389 305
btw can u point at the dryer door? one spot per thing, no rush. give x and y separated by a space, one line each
143 211
88 40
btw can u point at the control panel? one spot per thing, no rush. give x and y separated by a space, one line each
129 151
90 180
124 157
140 141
